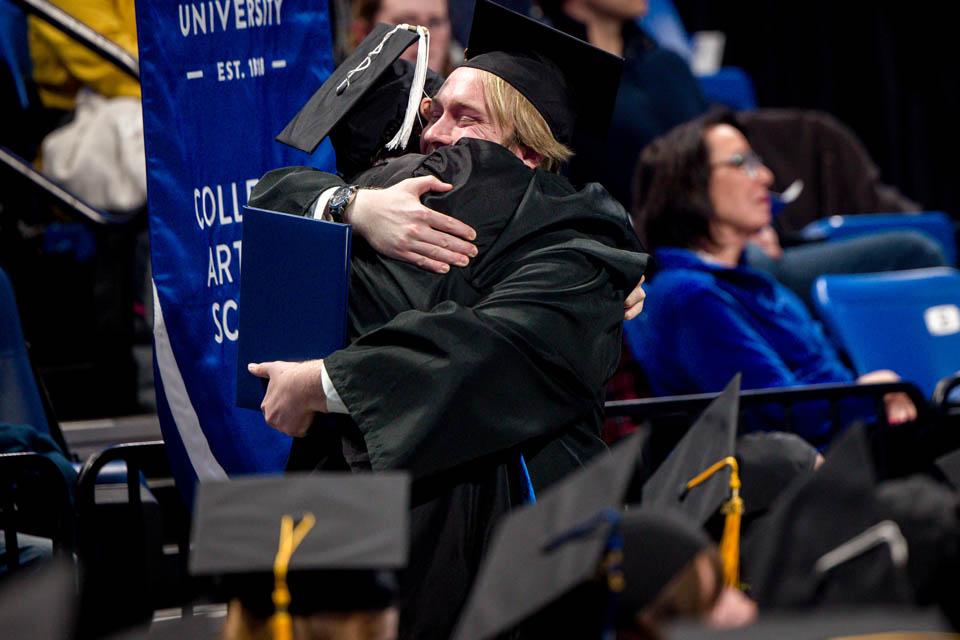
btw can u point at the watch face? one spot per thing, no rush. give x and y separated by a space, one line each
340 197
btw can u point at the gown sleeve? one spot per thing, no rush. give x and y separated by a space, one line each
434 389
292 190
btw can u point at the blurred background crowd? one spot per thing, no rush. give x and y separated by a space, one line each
856 101
739 133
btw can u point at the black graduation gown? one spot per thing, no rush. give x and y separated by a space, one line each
454 377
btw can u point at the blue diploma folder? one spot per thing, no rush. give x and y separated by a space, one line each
294 280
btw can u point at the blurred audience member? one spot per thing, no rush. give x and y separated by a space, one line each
658 92
838 174
428 13
704 195
98 154
62 66
657 89
93 146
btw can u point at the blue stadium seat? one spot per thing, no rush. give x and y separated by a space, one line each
20 400
731 87
935 224
14 51
908 321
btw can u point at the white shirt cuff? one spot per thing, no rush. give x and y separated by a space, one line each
321 204
334 403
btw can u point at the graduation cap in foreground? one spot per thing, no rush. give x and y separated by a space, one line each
570 82
847 623
825 541
701 474
525 568
557 566
369 102
769 462
193 627
303 543
927 513
40 603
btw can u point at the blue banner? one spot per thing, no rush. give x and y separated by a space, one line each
220 79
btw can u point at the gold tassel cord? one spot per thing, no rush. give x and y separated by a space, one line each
281 623
733 510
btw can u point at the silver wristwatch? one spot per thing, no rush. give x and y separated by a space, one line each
340 200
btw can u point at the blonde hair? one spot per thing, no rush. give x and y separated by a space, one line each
522 124
241 624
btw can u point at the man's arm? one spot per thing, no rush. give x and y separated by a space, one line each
294 394
434 389
301 390
393 220
292 190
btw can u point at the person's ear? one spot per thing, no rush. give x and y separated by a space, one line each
425 104
528 156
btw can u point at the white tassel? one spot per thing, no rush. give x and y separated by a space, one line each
402 137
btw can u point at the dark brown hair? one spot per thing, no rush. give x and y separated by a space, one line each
671 205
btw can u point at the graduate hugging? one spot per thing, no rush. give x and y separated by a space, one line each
487 296
486 303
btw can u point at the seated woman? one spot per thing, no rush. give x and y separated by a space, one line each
704 194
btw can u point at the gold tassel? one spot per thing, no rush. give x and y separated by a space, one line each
733 510
281 624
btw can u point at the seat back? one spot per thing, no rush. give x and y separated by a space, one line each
20 399
730 87
934 224
132 538
908 321
14 54
35 498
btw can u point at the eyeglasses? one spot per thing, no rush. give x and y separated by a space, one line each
750 162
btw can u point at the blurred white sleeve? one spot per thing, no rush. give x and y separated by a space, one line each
334 403
321 205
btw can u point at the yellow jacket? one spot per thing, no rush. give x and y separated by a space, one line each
62 66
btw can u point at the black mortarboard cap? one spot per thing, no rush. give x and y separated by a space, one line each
527 567
926 512
712 438
825 542
949 466
656 546
194 627
40 602
360 106
343 562
570 82
769 462
701 474
888 622
360 137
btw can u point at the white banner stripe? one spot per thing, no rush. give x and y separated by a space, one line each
184 416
